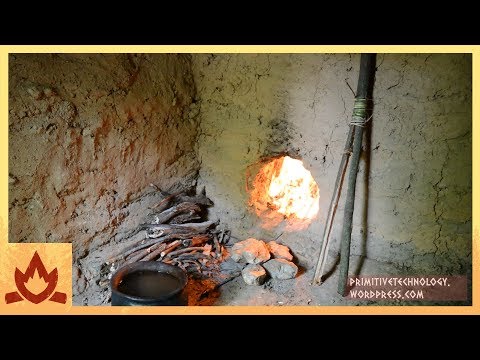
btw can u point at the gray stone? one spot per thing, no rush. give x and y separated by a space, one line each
281 269
251 250
254 274
279 251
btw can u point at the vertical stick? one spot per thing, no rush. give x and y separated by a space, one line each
365 81
317 278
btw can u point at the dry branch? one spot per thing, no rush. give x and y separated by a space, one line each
148 242
154 254
171 235
183 218
140 254
136 239
172 246
192 256
218 249
162 205
166 215
195 263
182 251
157 230
135 256
197 240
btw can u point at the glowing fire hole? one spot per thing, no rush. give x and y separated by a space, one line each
284 190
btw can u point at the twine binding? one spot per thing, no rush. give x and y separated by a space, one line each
359 117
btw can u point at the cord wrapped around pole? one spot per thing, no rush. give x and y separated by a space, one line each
359 119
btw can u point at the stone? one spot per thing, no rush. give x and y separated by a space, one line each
279 251
254 274
281 269
251 250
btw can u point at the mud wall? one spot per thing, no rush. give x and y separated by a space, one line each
87 135
413 205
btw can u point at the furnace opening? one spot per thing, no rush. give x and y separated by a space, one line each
284 192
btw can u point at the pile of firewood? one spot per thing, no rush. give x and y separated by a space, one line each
173 235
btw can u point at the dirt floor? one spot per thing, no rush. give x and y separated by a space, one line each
229 289
293 292
299 291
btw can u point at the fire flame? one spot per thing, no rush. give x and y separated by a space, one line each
36 284
284 190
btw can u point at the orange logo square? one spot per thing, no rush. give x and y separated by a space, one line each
36 275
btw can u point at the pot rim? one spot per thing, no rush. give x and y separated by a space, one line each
179 273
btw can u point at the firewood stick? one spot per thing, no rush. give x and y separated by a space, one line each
157 230
193 263
152 255
172 246
140 254
197 199
166 215
150 242
227 234
183 218
196 240
319 270
155 241
136 240
218 249
203 226
181 266
192 256
164 203
132 255
156 233
137 256
140 247
182 251
207 249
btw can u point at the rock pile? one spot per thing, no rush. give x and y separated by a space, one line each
276 260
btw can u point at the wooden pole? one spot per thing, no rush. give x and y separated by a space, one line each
365 83
317 278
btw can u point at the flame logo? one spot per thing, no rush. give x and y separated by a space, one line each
45 284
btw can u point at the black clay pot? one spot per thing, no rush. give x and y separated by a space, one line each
148 283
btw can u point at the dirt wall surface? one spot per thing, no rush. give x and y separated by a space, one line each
88 133
419 174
